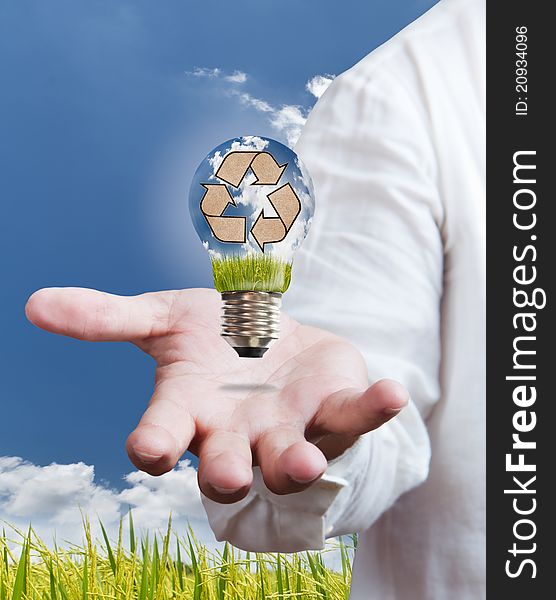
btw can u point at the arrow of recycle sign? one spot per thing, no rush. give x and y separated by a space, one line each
265 230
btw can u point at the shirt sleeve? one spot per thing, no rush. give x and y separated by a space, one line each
371 270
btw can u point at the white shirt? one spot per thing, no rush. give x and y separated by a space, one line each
395 262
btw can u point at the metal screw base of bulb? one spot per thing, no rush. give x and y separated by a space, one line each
250 321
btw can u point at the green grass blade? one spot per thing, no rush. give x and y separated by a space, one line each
312 566
85 580
316 570
111 558
52 580
279 580
20 584
132 538
154 569
287 576
222 577
4 567
63 590
179 566
298 587
197 574
5 552
143 590
343 558
261 571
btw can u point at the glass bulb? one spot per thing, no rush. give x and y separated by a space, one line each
251 202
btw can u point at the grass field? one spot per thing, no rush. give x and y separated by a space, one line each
162 567
257 272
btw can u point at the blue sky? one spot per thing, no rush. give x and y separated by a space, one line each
106 110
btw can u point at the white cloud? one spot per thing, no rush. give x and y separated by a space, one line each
318 84
54 497
289 119
286 119
236 77
245 144
214 254
252 102
204 72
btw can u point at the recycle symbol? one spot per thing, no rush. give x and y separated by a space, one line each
265 230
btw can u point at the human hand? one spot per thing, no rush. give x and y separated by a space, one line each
302 404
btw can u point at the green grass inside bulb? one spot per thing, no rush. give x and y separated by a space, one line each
258 273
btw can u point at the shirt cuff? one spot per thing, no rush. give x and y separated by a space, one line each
268 522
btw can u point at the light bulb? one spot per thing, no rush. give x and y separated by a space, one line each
251 202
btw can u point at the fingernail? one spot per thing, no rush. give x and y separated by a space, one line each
225 491
304 481
392 412
147 458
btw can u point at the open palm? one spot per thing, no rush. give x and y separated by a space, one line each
305 402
